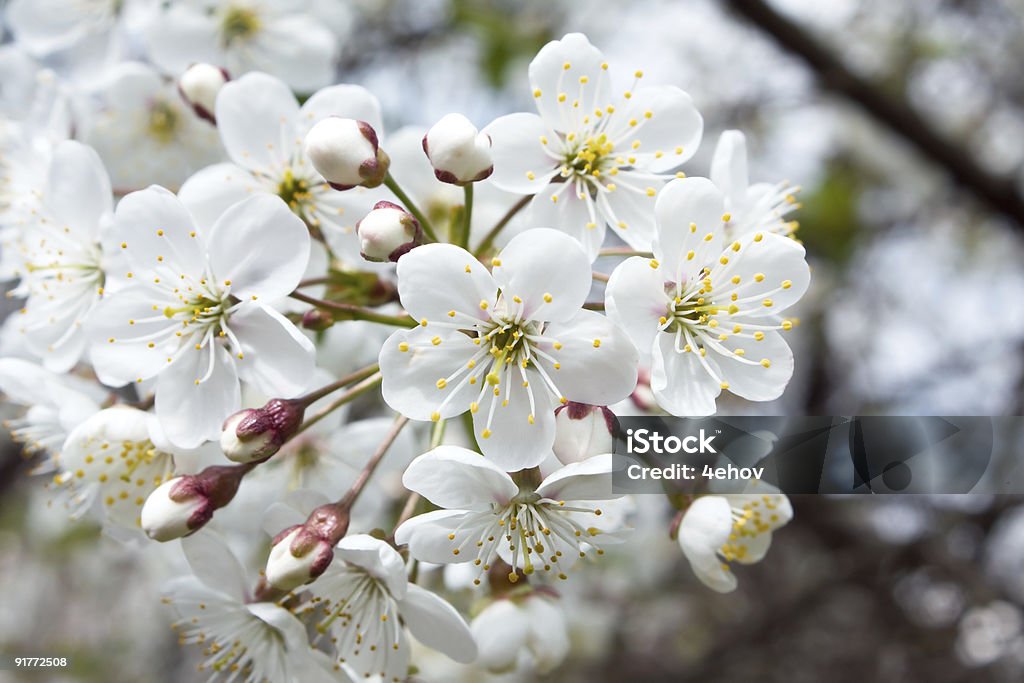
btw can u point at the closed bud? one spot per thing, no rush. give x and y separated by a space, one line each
583 431
255 434
199 86
459 153
317 319
183 504
301 553
388 232
346 153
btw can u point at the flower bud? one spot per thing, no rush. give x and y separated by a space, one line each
317 319
257 433
303 552
183 504
387 232
583 431
199 86
459 153
346 153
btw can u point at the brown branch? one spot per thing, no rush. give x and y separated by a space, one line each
998 192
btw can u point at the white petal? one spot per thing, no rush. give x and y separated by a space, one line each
501 631
729 166
672 133
705 528
181 37
687 210
299 49
590 479
157 235
549 634
270 270
780 260
277 358
572 66
635 299
411 378
680 383
514 442
79 190
191 413
752 380
572 215
256 117
214 564
520 164
598 362
122 361
437 278
437 624
346 101
543 264
456 478
208 193
378 558
427 535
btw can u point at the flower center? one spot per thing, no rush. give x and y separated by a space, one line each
592 157
239 23
163 121
294 191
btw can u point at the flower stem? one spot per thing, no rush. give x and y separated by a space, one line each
624 251
390 183
489 238
594 305
600 277
371 465
356 312
351 378
358 390
467 216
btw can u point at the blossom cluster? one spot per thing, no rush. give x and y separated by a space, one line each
249 317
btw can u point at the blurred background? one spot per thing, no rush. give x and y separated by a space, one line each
903 123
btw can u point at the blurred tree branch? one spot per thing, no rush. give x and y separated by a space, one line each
894 113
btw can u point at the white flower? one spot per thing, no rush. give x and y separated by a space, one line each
614 150
486 514
719 529
56 404
263 128
522 631
507 345
583 431
458 152
61 260
346 152
146 133
46 27
110 461
762 206
280 38
199 86
366 603
706 309
197 316
387 232
287 571
244 639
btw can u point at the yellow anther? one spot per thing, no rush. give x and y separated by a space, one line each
442 383
435 416
548 298
759 336
765 363
758 277
767 303
786 284
654 263
486 433
435 341
597 343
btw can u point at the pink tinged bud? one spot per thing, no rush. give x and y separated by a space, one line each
302 553
317 319
183 504
346 153
459 153
583 431
257 433
199 86
388 232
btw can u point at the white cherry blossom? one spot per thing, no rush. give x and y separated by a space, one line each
610 151
198 314
522 632
705 310
365 602
737 527
751 207
486 514
508 345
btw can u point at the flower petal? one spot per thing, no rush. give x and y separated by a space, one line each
79 192
772 270
589 479
276 357
214 564
519 435
256 117
597 361
190 412
116 321
729 167
668 127
378 558
547 270
705 528
501 631
437 624
299 49
346 101
520 164
635 299
411 378
272 270
456 478
680 383
752 380
574 67
157 235
631 214
435 279
208 193
687 210
571 214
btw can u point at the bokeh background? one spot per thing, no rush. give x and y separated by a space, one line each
903 123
